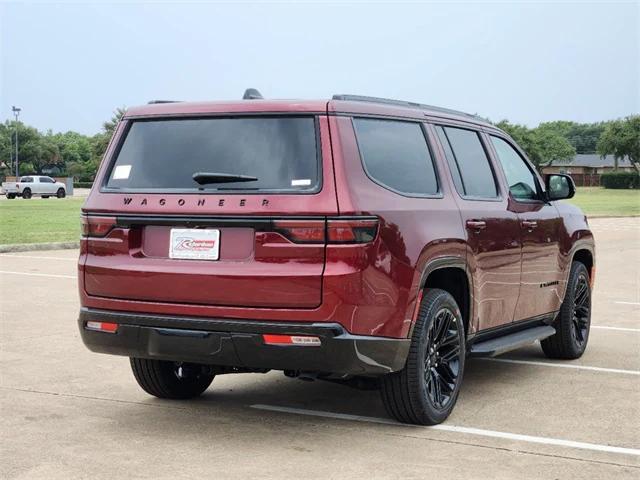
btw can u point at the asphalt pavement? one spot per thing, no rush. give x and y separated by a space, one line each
69 413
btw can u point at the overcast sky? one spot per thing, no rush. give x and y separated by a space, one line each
68 65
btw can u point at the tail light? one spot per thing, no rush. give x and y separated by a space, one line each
97 226
301 231
353 230
336 230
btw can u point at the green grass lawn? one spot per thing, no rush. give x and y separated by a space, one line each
54 220
607 202
40 220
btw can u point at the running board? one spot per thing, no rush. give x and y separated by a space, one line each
500 345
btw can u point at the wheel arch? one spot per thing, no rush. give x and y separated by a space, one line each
584 256
452 275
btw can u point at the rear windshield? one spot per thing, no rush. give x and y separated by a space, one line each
280 153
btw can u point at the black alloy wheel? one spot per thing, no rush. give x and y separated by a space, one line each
574 319
425 391
442 358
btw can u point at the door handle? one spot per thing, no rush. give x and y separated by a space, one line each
529 224
476 225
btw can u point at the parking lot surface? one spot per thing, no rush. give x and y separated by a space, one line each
69 413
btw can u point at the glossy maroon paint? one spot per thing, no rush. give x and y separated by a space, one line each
370 289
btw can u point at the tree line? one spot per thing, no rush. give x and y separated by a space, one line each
561 140
78 155
65 154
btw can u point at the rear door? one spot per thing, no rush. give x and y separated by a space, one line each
493 231
223 211
539 227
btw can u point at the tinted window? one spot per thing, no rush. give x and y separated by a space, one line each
521 180
396 155
46 180
472 162
164 154
26 180
451 160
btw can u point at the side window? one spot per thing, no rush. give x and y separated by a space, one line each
46 180
26 180
521 180
469 162
396 155
451 160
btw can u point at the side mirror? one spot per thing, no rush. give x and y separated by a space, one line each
559 186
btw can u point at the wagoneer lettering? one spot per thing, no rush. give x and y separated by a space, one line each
360 240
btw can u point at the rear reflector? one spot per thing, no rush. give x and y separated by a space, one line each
304 340
97 226
102 326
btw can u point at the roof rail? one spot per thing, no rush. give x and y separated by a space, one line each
402 103
153 102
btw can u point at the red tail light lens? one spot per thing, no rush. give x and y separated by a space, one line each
301 231
343 230
97 226
352 230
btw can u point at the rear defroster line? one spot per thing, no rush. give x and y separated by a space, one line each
455 429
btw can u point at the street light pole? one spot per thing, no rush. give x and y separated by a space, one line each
16 113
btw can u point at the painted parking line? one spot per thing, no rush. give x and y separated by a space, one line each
74 259
31 274
619 329
455 429
562 365
627 303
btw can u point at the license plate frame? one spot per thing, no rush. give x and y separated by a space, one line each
194 244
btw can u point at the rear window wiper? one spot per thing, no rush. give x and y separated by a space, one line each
203 178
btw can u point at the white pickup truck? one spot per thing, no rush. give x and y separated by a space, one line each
34 185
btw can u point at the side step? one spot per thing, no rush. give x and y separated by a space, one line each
506 343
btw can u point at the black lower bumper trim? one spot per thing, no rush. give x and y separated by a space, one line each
239 343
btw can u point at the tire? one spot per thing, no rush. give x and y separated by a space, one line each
171 380
574 319
411 395
61 193
11 196
26 193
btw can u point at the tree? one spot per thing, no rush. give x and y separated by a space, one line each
552 147
583 136
543 144
622 138
35 150
110 125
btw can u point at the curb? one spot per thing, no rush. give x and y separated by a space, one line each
30 247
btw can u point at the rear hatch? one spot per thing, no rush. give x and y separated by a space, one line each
222 210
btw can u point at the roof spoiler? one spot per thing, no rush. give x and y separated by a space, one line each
153 102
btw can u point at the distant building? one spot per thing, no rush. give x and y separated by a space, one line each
586 168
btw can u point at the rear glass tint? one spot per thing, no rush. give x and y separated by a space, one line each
163 155
396 155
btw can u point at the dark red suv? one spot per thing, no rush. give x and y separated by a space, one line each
359 240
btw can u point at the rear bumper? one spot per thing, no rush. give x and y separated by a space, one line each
239 343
